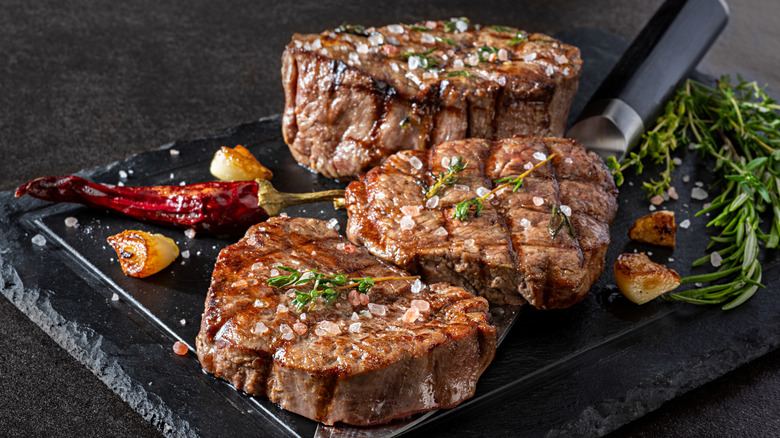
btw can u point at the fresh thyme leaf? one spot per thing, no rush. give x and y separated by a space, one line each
518 39
559 220
450 41
484 53
734 126
446 179
426 61
452 25
459 73
463 208
419 28
355 29
500 28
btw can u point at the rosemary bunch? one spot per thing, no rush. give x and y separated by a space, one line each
736 126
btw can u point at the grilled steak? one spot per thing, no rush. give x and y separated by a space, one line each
358 364
508 251
354 96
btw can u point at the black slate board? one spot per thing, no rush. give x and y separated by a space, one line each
581 371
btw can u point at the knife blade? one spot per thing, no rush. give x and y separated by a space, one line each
635 91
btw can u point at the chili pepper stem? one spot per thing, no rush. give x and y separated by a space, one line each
273 201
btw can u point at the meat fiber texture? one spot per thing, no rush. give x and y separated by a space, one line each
507 253
356 364
353 99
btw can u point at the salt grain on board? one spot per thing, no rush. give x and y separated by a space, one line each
699 193
38 240
685 224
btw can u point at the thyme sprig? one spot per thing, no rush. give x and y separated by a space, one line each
463 208
328 287
735 126
355 29
446 178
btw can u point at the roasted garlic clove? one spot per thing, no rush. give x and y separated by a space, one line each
641 280
657 228
142 254
238 164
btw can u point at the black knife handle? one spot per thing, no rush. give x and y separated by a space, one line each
663 54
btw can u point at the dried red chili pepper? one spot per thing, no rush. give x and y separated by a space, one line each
212 207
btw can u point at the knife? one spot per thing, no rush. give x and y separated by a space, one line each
634 93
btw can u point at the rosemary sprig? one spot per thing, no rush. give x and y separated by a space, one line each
736 127
328 287
463 207
446 179
457 73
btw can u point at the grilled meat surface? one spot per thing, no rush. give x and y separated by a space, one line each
355 96
357 364
507 253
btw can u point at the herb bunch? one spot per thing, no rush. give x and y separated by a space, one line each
446 178
325 286
736 127
463 208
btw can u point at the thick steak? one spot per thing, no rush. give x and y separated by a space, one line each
507 253
357 364
353 97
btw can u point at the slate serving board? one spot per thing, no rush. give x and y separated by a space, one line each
582 371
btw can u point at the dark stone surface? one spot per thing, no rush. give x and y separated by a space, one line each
85 84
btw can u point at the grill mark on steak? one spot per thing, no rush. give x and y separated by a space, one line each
388 369
498 254
530 93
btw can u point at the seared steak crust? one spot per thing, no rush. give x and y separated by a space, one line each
352 100
507 253
339 362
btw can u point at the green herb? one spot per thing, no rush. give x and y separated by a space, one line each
463 207
450 41
419 28
519 38
327 287
446 179
405 122
500 28
558 220
451 26
736 127
355 29
484 53
426 61
459 73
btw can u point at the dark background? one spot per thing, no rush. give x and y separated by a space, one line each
83 84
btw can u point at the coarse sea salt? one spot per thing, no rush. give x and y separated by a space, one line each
411 315
427 38
410 210
71 222
441 231
287 332
333 223
407 223
417 286
422 305
432 202
568 160
114 297
395 28
414 62
376 39
185 254
377 309
190 233
123 174
699 193
566 210
716 259
685 224
525 223
482 191
540 156
538 201
355 327
38 240
259 329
